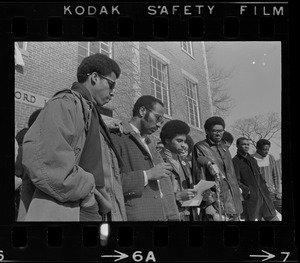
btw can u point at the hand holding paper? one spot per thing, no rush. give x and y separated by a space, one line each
186 194
200 188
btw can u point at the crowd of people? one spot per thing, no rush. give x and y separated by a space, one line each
70 166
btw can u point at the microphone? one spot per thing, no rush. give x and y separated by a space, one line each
210 164
213 168
203 161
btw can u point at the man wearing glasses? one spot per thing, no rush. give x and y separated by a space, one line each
146 182
71 164
212 161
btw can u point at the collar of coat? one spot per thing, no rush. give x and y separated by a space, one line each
247 157
127 129
211 143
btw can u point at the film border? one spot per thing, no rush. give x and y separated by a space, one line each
30 23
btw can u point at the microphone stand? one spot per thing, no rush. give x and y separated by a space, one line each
215 171
218 186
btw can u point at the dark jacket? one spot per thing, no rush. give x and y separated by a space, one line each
257 202
143 203
230 192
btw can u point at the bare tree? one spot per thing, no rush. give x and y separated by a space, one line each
258 127
220 93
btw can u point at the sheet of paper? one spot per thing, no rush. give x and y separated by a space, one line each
200 187
204 185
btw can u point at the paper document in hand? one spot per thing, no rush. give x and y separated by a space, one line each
200 187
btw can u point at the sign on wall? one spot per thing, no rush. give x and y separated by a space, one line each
30 98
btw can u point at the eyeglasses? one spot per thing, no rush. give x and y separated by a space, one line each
217 131
111 83
159 117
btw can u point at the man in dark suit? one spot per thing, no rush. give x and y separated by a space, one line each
258 203
146 182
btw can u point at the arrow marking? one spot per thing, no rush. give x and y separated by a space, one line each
267 257
118 257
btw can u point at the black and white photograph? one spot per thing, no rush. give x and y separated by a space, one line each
148 131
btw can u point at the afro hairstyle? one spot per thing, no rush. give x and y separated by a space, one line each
227 137
99 63
212 121
260 143
173 128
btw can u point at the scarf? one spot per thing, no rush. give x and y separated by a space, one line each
261 161
91 157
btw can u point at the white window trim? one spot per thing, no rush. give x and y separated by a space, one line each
193 80
109 45
207 79
89 44
156 55
23 50
186 52
190 76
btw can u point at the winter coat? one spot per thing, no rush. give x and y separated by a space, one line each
53 183
181 179
143 203
230 192
257 200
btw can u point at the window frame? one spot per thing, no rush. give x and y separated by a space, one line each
164 82
23 50
186 50
89 52
195 102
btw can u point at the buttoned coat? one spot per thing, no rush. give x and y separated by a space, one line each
143 203
257 200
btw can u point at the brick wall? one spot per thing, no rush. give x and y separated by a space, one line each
51 66
128 86
178 61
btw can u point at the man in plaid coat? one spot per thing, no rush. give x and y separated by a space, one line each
145 177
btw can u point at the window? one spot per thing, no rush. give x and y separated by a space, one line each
88 48
187 47
159 82
191 96
22 45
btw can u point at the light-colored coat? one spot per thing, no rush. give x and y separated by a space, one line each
53 183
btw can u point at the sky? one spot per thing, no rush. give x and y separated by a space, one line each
255 81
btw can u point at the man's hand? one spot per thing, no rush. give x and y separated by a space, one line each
114 126
103 200
186 194
159 171
208 196
88 201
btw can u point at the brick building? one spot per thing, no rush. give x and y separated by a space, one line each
175 72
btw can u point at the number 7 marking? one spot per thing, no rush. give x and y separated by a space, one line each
287 255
